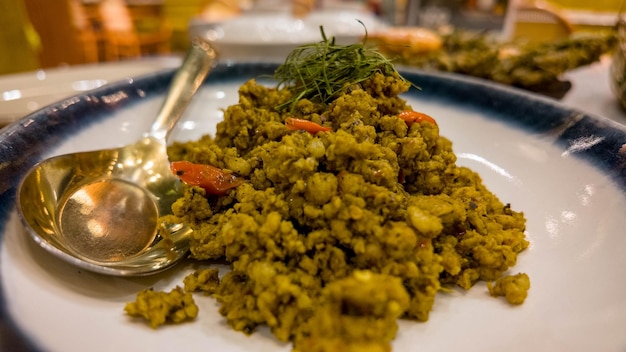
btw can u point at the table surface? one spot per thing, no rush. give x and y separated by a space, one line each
591 91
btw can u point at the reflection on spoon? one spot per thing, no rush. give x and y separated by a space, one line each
99 209
89 217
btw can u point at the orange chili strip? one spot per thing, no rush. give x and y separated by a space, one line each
214 180
410 116
305 125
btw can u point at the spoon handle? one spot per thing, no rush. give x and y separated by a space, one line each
198 62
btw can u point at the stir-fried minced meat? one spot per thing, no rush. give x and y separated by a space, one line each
159 308
513 287
334 235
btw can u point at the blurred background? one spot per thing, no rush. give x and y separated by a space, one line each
51 33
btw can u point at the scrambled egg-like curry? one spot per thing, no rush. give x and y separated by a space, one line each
340 227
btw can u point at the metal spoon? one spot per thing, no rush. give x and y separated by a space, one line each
99 209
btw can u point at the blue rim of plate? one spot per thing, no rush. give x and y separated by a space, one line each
598 140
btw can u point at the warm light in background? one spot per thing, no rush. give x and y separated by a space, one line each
51 33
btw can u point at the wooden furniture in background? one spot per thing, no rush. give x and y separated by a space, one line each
64 30
129 28
151 25
116 30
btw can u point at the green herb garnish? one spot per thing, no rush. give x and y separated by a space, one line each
321 71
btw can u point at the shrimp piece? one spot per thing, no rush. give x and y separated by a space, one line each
404 39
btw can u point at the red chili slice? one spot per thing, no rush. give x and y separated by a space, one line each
305 125
214 180
410 116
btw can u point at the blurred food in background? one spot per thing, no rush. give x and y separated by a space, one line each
532 66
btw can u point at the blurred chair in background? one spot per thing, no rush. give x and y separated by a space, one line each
19 41
117 31
132 31
66 35
152 26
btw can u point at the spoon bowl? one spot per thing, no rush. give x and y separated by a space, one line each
100 209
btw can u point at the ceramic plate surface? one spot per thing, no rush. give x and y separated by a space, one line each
24 93
564 169
271 36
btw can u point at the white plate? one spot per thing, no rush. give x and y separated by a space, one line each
270 36
564 169
24 93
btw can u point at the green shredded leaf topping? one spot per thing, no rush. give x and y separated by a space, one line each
321 71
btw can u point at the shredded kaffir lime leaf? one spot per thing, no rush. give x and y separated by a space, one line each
321 71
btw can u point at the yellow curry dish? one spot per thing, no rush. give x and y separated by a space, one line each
339 208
